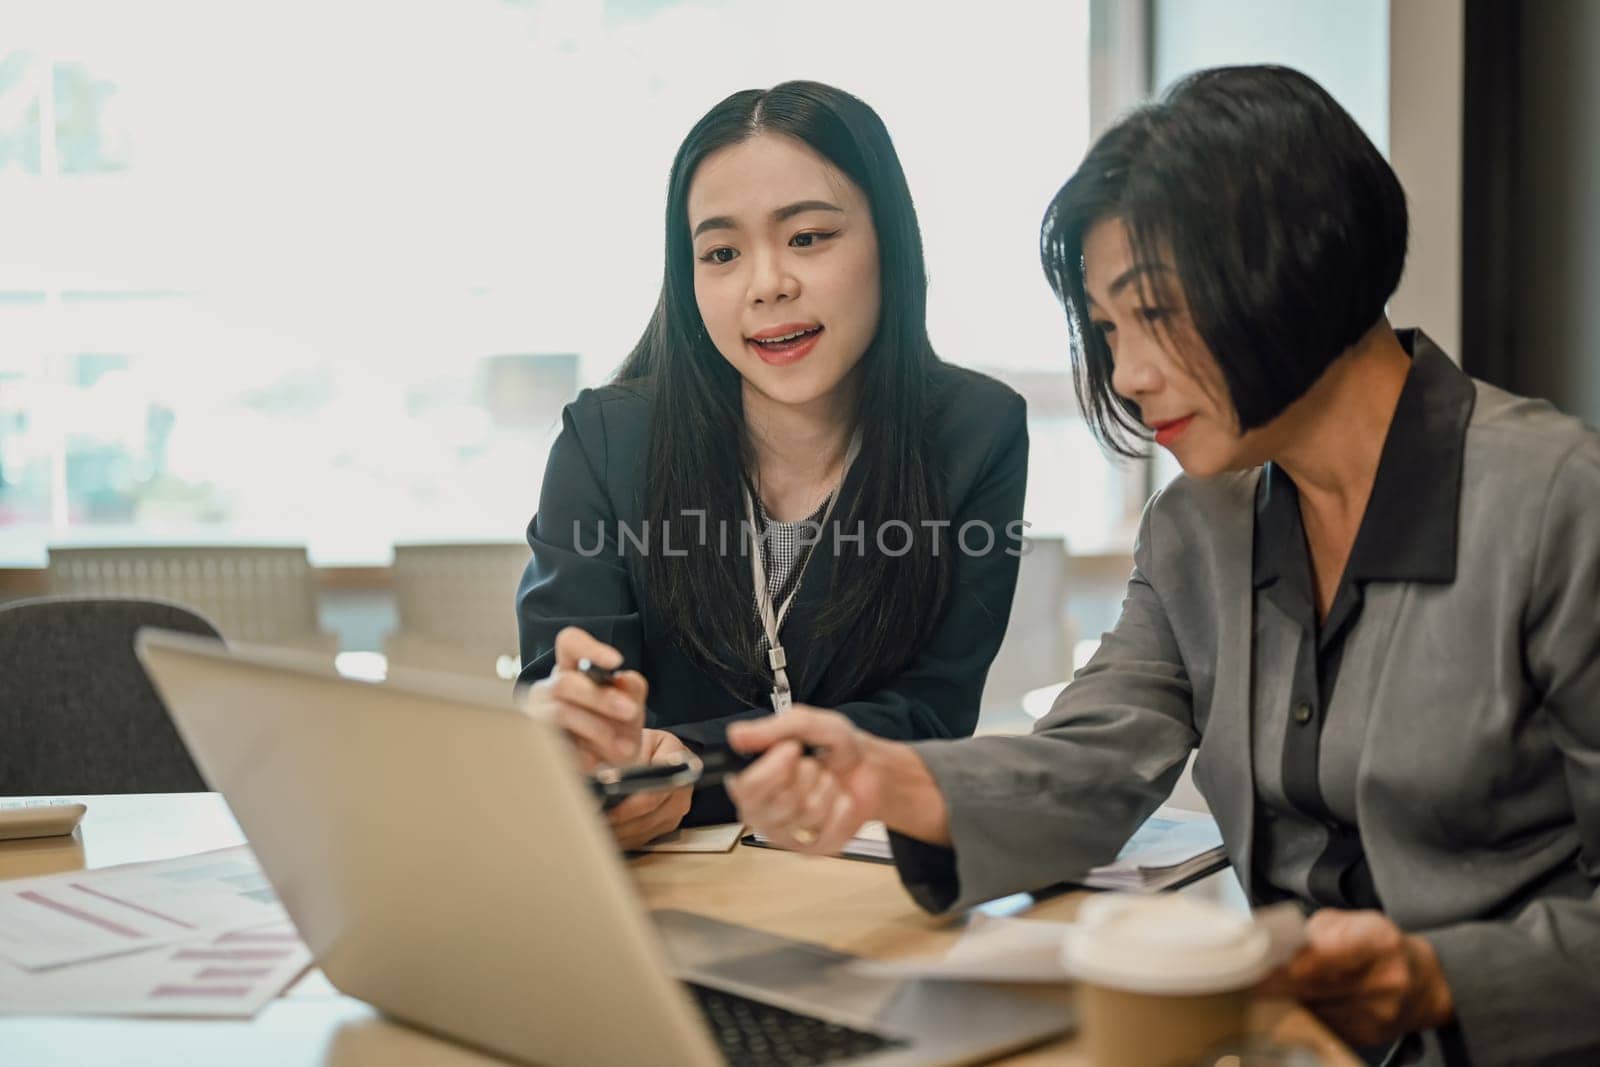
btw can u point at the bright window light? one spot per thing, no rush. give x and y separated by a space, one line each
328 272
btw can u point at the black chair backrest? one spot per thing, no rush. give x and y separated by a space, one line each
77 713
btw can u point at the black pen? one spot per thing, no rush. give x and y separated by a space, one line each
597 674
719 761
604 676
711 767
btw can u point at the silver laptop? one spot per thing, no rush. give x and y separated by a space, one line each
445 863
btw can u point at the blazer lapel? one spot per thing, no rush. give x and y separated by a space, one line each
1227 745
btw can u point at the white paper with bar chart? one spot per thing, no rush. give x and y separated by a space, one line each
201 935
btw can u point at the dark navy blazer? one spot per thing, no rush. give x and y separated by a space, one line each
594 479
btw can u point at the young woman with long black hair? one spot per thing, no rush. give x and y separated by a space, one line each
785 495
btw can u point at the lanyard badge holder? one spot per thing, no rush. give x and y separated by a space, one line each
772 619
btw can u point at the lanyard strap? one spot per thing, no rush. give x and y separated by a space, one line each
772 618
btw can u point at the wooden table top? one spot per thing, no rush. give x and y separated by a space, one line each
849 905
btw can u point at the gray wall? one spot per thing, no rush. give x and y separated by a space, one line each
1426 77
1556 327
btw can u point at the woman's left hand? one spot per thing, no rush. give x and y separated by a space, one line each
644 817
1367 979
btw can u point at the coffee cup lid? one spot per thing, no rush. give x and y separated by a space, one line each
1168 945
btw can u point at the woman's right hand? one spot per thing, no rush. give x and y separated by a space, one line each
806 803
604 722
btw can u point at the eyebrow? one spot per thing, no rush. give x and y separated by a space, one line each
782 214
1121 280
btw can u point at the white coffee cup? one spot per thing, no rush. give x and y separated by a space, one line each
1162 978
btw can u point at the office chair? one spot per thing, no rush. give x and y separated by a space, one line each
77 714
457 607
260 594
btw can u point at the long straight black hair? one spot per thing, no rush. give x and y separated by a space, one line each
700 451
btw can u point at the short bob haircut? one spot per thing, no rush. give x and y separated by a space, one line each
1285 225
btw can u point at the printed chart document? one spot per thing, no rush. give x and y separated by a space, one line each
202 935
86 915
229 976
1172 846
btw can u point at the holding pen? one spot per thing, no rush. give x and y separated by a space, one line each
600 705
617 783
595 673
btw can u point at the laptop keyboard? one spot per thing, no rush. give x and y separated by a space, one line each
753 1034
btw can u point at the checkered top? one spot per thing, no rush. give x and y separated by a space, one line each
783 553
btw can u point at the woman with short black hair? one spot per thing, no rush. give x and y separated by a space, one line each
785 494
1284 225
1368 604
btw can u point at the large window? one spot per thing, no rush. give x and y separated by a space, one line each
1343 44
327 272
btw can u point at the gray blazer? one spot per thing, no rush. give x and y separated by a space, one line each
1478 789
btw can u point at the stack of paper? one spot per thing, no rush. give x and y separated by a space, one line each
1172 847
197 936
870 843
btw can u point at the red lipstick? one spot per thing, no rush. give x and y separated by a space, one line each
1168 432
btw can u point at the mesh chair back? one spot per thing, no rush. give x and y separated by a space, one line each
456 605
77 713
256 594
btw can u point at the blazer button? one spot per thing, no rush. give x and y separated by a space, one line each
1302 713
